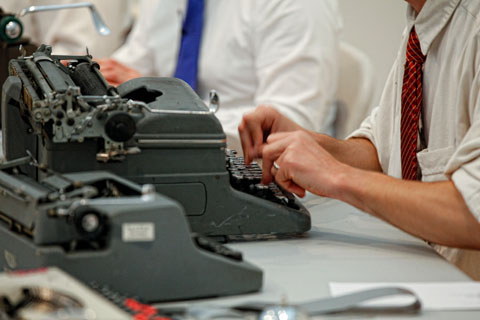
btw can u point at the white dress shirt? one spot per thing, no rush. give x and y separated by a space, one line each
277 52
70 31
448 31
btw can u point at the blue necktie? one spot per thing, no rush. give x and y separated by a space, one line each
187 63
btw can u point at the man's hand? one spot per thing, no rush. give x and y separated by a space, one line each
303 164
116 73
257 125
434 211
350 171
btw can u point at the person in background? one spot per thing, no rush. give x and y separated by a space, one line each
252 52
415 161
70 31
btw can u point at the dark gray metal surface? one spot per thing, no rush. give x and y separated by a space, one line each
178 145
166 265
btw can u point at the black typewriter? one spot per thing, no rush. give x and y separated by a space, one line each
148 130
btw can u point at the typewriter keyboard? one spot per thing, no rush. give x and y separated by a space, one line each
247 178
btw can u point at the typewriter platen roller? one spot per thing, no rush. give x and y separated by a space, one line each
148 130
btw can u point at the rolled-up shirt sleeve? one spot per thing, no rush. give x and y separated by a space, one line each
381 125
366 129
464 166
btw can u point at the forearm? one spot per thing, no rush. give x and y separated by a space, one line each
432 211
356 152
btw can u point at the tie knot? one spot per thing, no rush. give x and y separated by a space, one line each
414 51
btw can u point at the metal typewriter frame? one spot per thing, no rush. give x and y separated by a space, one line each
175 143
46 223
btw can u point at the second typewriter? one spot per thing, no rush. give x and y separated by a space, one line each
148 130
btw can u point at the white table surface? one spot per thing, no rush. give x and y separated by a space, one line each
344 245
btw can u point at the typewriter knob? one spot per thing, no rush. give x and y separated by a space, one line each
11 29
120 127
89 222
214 104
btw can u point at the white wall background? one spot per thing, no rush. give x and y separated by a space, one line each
375 27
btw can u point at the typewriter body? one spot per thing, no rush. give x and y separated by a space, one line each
103 229
148 130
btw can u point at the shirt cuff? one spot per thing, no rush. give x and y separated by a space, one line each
362 133
468 185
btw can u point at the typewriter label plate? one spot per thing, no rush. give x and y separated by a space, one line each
138 232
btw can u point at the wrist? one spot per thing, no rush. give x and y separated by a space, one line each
341 182
350 184
320 138
360 188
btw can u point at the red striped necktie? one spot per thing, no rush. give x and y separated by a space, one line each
411 106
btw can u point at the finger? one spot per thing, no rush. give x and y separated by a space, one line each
271 152
284 179
256 133
134 74
106 68
114 83
273 172
251 135
105 64
110 76
278 136
246 142
293 188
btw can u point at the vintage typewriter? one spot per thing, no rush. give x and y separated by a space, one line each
108 231
148 130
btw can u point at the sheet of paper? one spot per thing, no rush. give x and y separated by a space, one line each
433 295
